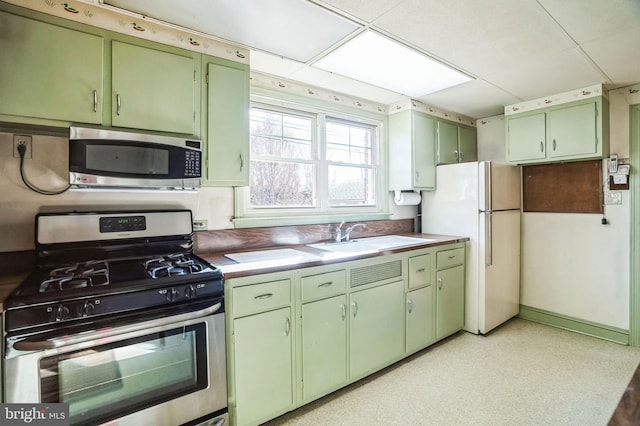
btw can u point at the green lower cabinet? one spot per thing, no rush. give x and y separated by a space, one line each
449 301
376 335
263 366
420 319
324 346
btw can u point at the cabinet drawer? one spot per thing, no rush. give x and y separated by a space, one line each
447 258
261 297
323 285
420 270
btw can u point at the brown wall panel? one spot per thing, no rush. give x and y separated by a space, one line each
574 187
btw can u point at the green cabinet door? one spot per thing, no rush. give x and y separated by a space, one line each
227 124
420 319
467 144
424 155
152 89
376 328
49 72
526 138
263 366
324 346
449 301
572 131
447 143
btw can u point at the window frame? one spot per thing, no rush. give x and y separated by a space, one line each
246 216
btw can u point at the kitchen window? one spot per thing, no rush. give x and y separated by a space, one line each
311 163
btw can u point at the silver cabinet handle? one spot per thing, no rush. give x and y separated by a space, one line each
554 144
354 308
343 312
95 101
409 305
327 284
417 177
241 162
440 283
453 256
541 146
456 154
461 156
420 270
118 104
287 326
264 296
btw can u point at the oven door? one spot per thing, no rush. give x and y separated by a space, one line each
165 371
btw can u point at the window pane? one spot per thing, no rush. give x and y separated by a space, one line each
349 143
281 184
351 186
279 135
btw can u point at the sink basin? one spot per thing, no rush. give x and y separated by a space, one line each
267 258
367 245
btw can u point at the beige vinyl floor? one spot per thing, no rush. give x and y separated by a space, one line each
523 373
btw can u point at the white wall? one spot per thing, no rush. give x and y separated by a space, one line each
571 263
49 170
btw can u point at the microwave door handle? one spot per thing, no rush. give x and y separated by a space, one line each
139 328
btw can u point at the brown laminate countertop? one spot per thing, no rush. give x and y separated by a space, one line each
232 269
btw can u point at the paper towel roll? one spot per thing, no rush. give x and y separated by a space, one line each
407 198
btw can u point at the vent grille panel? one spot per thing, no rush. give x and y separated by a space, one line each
379 272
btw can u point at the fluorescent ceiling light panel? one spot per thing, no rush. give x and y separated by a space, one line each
293 29
377 60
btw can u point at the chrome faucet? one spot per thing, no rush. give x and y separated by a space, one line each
347 233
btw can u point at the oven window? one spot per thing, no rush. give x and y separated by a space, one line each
109 381
128 159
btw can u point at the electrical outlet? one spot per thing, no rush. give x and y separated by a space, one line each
22 140
200 225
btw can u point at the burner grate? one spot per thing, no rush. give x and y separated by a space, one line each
77 275
172 265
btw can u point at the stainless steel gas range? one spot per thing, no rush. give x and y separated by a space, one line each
120 320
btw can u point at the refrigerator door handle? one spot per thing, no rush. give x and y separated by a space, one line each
488 257
487 186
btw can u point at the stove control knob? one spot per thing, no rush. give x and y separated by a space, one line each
62 313
191 292
172 295
87 309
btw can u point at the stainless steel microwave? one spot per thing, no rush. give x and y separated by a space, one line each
104 158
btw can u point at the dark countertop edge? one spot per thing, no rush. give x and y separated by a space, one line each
218 258
9 282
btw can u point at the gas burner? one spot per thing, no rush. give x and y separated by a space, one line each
77 275
171 265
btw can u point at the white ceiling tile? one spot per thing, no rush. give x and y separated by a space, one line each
476 99
478 36
272 64
587 20
292 28
366 10
618 56
548 75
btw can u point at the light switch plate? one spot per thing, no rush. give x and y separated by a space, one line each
613 197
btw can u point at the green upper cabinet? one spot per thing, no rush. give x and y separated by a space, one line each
227 97
49 72
572 131
411 151
152 89
530 133
455 144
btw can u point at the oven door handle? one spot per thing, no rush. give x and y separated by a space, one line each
142 328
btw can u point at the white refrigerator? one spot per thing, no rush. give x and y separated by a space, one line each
481 200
